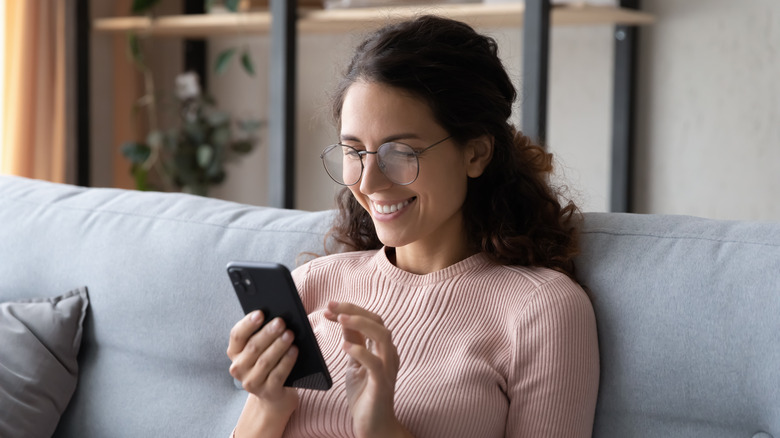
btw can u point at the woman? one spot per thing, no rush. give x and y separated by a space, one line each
457 313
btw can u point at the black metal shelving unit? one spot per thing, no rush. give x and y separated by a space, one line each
281 128
536 30
536 66
196 49
281 165
83 113
623 115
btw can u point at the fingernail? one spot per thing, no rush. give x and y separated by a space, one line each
278 324
255 316
287 336
292 351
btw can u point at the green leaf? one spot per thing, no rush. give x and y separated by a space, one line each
141 6
193 133
232 5
134 49
218 118
246 62
215 174
223 59
216 177
242 146
136 152
220 136
250 125
182 168
205 155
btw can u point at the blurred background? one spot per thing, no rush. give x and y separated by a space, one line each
707 124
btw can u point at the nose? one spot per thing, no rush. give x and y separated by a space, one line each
373 179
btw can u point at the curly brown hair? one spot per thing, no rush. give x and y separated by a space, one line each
512 212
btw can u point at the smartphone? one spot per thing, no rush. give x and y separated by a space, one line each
269 287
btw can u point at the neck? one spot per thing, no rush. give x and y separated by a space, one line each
420 260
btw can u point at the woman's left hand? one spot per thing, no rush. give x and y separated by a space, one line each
372 371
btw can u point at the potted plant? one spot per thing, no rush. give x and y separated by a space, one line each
190 156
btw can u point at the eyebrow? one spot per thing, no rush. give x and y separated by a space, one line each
395 137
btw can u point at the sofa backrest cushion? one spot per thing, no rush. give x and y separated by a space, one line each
152 359
688 313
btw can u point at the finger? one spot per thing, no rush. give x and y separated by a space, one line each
352 336
255 347
367 327
335 309
282 370
242 331
257 375
374 331
362 356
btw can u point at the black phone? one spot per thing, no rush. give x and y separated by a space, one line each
269 287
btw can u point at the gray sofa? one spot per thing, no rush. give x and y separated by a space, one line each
688 310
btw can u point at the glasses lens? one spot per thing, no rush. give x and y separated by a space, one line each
342 164
398 162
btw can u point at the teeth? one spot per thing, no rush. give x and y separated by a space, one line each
387 209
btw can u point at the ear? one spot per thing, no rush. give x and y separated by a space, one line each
479 152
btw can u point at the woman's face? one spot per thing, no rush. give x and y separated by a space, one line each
425 214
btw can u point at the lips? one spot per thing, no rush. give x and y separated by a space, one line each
385 208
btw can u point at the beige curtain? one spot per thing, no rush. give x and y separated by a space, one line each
34 143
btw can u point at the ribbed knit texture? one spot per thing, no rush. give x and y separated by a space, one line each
486 350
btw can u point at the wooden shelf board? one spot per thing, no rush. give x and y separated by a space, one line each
343 20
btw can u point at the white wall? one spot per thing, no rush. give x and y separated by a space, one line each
709 129
708 126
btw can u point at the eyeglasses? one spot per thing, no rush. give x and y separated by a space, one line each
397 161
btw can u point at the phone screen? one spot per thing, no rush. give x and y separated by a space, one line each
269 287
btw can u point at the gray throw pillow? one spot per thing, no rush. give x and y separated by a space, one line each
39 345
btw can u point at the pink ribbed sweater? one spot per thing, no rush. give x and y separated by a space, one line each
486 350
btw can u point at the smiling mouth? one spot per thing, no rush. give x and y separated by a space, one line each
391 208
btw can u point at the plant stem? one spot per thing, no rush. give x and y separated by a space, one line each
154 157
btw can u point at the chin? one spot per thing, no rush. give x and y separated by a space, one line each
389 240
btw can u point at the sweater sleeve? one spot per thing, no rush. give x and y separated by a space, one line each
554 375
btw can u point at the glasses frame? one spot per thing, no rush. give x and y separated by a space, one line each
362 154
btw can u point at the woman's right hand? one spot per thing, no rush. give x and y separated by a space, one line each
262 361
